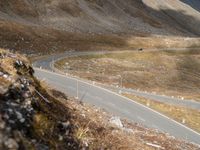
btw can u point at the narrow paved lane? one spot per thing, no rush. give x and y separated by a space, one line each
118 105
46 63
159 98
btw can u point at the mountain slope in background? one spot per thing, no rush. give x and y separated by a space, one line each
157 17
59 25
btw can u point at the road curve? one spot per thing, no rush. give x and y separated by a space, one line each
118 105
45 63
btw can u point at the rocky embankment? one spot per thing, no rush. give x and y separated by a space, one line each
29 117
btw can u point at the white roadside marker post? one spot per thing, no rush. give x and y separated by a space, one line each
52 67
120 91
76 88
183 120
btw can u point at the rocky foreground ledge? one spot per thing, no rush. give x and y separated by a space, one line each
33 116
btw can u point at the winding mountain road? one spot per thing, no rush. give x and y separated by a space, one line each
111 101
46 63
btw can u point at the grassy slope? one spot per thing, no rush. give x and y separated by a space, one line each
173 73
30 28
63 123
189 117
34 39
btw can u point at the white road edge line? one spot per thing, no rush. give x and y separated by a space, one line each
140 118
121 97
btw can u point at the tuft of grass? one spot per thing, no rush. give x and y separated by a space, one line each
42 125
81 133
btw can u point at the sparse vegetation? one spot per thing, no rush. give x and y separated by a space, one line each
38 28
34 116
62 123
187 116
173 73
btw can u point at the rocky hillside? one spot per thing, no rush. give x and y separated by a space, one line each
144 17
59 25
33 116
103 16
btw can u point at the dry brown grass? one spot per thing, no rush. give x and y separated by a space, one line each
19 7
88 126
191 117
104 16
173 73
70 7
95 130
32 39
163 42
7 62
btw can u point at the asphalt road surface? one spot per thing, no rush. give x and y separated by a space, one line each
46 63
117 105
112 102
159 98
